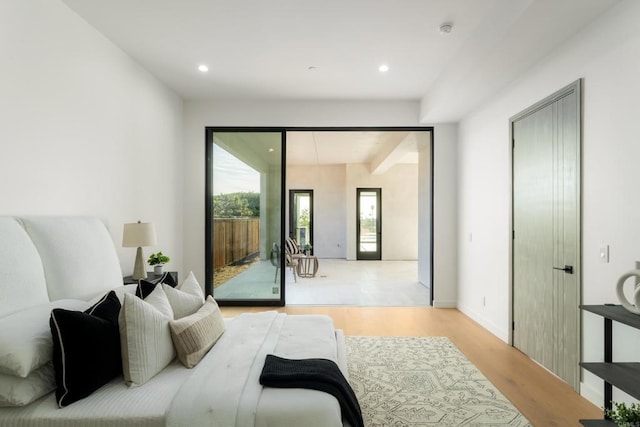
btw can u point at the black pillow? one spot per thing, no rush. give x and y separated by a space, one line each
86 349
146 286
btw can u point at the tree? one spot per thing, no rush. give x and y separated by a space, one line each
236 205
303 218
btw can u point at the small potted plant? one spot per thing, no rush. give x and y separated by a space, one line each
157 261
307 248
623 415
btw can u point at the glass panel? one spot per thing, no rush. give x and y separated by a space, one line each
302 215
246 229
368 221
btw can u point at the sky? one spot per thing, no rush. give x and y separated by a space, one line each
230 175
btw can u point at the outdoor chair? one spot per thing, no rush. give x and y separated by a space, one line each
292 248
289 261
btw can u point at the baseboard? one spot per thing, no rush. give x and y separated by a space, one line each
445 304
496 330
592 394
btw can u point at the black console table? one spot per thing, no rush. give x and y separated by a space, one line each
624 376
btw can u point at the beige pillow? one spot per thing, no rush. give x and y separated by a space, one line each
145 338
182 303
194 335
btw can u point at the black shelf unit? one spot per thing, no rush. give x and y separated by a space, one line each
623 376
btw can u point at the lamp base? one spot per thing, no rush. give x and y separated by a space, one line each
139 270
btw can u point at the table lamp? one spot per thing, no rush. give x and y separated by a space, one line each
139 234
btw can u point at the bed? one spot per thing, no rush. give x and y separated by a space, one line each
49 263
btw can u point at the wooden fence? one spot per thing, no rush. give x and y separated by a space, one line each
234 239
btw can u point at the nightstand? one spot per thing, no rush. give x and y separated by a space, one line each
128 280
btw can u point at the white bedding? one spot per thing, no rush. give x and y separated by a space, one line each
203 395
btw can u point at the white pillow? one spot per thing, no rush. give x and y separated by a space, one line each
16 391
182 303
25 341
145 339
191 286
158 299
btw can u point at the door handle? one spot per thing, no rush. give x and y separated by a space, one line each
567 269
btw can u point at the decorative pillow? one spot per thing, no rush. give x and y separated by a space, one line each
182 303
194 335
145 338
191 286
16 391
86 349
158 299
146 286
25 340
125 289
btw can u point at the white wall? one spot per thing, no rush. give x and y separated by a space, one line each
424 213
84 130
607 56
199 114
399 209
445 216
329 221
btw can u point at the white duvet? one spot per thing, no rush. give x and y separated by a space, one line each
222 390
233 396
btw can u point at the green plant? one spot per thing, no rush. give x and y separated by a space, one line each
307 247
623 415
158 259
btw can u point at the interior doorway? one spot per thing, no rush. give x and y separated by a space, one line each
340 165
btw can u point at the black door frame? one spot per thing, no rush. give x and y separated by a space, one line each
209 130
292 195
377 255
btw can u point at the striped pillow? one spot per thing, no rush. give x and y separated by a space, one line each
194 335
145 337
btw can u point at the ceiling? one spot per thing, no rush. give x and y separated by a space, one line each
379 149
331 49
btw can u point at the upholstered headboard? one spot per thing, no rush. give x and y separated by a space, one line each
45 259
22 283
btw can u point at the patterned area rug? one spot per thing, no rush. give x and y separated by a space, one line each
415 381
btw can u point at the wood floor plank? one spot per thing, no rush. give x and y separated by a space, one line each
540 396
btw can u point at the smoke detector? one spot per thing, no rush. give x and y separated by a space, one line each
445 28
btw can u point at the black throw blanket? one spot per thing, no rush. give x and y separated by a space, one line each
315 374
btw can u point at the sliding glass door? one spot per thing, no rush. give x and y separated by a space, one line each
245 216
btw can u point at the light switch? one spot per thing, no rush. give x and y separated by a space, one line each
604 253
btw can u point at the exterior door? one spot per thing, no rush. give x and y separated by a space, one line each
369 224
546 233
301 217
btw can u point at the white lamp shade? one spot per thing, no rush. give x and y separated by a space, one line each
138 234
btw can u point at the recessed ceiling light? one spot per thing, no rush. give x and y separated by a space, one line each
203 68
271 150
383 68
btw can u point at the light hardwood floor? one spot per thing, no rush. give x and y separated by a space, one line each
540 396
